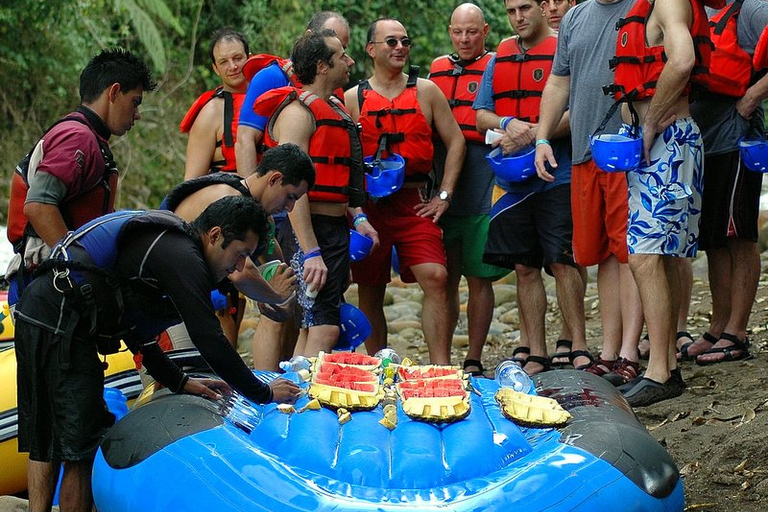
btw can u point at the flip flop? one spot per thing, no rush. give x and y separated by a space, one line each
562 351
581 353
543 361
520 360
738 346
682 354
468 363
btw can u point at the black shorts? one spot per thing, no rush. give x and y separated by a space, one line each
536 232
285 237
62 412
730 202
332 235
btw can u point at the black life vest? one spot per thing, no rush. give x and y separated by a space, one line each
189 187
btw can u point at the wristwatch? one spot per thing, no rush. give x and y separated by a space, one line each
444 195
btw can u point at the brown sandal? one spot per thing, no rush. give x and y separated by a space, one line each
623 371
601 367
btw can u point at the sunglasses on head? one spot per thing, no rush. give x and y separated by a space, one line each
392 42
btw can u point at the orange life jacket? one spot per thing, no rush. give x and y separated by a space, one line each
97 201
256 63
460 80
730 69
637 67
760 58
334 148
233 101
398 125
519 77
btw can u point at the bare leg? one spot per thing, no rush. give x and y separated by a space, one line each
266 346
532 301
659 310
41 482
570 299
479 314
565 333
453 256
371 302
433 280
744 275
610 307
631 314
321 337
76 494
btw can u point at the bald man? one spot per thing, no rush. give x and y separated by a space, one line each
465 223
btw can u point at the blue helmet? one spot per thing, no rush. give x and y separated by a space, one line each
754 154
616 153
385 176
359 245
355 327
515 167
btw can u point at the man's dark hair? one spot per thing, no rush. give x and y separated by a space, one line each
372 28
289 159
236 216
320 18
114 65
307 51
227 34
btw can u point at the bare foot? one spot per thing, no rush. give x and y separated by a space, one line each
689 352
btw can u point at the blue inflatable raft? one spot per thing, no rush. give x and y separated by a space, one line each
180 452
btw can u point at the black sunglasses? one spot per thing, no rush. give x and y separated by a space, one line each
392 42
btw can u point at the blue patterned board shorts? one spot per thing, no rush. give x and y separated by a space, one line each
665 196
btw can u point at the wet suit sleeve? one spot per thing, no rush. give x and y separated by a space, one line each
175 266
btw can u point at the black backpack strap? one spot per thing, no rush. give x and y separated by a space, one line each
229 114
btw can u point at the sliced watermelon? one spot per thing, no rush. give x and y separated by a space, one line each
353 358
427 372
338 369
431 388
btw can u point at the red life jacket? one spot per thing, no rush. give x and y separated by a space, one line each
399 125
459 80
334 147
519 77
233 101
637 67
256 63
730 69
760 58
97 201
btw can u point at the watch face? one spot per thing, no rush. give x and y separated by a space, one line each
443 195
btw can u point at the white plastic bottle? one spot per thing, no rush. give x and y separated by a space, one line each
295 364
510 375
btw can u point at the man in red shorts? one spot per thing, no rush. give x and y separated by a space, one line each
599 200
405 109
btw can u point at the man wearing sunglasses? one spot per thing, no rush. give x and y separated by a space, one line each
398 113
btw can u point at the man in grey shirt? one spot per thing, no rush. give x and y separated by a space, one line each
587 41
